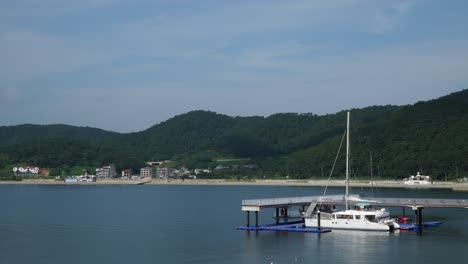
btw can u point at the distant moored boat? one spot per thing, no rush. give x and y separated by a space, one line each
418 180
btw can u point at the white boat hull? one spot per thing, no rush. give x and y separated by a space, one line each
71 180
409 182
347 224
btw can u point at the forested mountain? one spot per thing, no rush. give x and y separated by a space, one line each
431 136
13 135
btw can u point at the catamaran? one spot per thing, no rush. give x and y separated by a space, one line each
362 216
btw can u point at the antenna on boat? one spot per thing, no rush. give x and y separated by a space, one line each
371 174
347 160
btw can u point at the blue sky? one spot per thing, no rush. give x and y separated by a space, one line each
124 65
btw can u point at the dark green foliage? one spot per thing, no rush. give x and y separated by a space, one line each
431 136
188 133
63 154
3 160
203 159
13 135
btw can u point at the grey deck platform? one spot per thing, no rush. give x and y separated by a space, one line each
257 204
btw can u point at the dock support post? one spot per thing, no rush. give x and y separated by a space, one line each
248 218
286 215
318 220
303 213
403 209
420 218
277 215
418 211
256 218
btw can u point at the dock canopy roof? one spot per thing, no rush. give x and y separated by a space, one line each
257 204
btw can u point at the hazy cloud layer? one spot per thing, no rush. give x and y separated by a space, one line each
126 65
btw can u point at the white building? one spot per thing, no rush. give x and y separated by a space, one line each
165 172
146 172
26 170
198 171
126 174
106 172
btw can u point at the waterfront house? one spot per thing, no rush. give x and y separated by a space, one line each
28 170
164 172
106 172
126 174
146 172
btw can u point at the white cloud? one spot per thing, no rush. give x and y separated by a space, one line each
250 57
205 33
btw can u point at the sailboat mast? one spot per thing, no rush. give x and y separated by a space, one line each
347 160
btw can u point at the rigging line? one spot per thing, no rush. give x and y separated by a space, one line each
334 163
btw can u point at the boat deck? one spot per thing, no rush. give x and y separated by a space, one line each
423 202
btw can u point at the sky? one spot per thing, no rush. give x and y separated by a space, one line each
125 65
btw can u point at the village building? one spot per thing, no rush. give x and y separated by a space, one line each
146 172
106 172
164 172
126 174
28 170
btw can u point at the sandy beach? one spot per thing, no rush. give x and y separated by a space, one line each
334 183
456 186
99 182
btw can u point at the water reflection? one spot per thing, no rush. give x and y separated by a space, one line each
195 224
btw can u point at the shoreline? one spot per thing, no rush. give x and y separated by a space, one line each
456 186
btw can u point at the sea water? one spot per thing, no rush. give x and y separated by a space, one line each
196 224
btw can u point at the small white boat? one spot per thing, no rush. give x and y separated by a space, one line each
71 179
418 180
86 178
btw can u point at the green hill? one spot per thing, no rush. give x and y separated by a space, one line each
14 135
430 135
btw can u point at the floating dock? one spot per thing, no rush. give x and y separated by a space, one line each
294 227
281 206
299 227
404 226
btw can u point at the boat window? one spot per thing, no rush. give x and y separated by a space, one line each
371 218
325 209
342 216
357 217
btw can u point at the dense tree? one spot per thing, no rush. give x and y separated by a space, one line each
3 160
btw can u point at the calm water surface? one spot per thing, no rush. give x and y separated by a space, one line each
196 224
